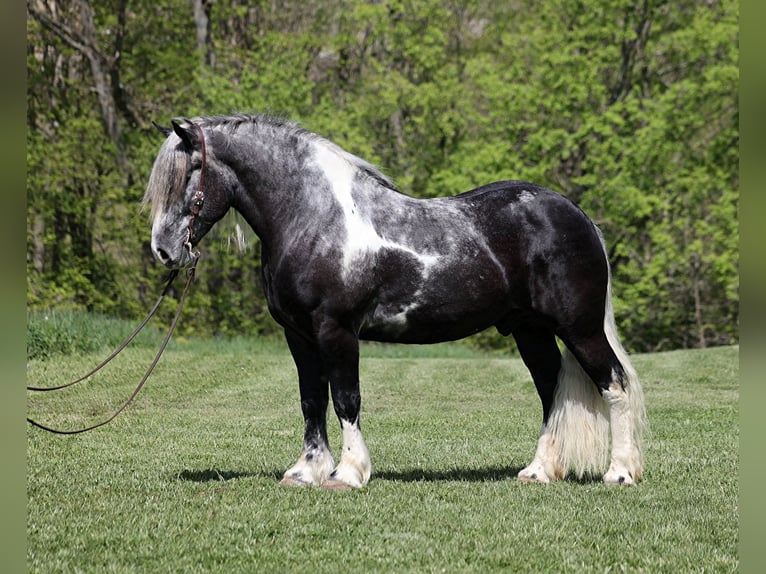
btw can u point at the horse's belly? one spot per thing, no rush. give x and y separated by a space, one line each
421 324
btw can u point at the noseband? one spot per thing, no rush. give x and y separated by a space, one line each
199 196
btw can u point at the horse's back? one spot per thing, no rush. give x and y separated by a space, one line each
514 199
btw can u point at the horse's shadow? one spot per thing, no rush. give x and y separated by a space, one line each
218 475
485 474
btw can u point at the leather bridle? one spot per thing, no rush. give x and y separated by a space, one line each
199 195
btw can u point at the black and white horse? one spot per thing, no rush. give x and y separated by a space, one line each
347 257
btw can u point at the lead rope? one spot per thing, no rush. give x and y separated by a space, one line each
119 349
190 277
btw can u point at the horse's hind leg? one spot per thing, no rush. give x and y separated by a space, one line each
315 463
577 413
606 363
538 349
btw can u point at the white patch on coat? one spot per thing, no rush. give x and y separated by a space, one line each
400 319
526 196
393 321
361 237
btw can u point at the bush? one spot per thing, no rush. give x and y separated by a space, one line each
64 332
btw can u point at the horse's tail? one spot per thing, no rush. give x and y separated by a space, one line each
579 421
580 418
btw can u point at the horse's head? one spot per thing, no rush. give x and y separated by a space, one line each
189 191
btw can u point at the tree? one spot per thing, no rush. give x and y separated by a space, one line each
628 107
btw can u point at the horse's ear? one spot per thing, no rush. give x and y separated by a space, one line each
162 129
187 134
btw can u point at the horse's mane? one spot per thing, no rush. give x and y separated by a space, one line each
167 179
288 127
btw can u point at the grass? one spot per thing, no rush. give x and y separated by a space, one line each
186 479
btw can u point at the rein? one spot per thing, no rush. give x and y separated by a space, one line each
190 276
119 349
198 202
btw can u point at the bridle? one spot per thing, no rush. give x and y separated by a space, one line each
198 202
199 195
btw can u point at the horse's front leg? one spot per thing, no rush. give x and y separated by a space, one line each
315 463
340 356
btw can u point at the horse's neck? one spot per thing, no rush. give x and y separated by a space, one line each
290 183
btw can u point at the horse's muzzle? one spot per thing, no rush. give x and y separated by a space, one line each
173 259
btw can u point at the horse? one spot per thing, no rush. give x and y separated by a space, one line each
347 257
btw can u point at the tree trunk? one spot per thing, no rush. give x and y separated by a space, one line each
204 38
698 315
83 38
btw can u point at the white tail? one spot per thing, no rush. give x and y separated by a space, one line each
579 421
581 417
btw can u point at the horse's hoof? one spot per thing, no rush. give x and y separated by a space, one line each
336 485
533 475
293 481
619 479
530 479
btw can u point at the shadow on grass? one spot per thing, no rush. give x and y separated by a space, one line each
487 474
217 475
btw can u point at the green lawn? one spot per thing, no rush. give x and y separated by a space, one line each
186 479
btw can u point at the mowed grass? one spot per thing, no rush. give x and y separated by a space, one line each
186 479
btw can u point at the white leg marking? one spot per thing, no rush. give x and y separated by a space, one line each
546 466
355 467
579 420
626 464
312 468
627 413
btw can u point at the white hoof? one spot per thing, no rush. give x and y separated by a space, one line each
618 476
535 472
337 485
312 469
294 481
350 475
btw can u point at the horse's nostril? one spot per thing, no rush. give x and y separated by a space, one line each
163 255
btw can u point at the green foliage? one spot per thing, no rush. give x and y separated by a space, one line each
628 108
65 332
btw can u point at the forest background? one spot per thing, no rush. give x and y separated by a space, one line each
628 108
